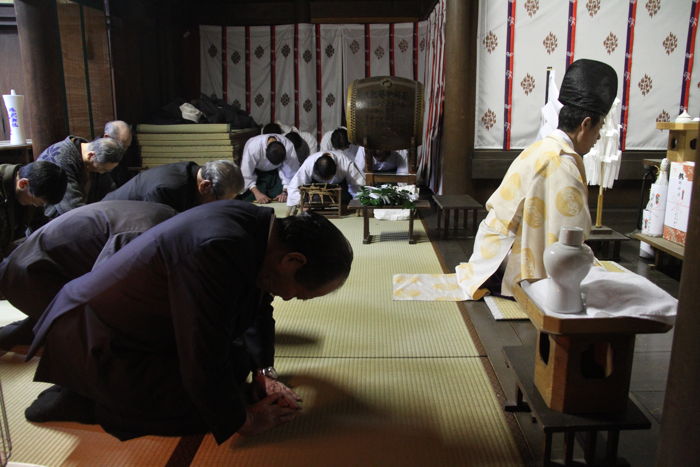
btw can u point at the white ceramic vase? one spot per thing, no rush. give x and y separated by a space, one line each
15 106
567 262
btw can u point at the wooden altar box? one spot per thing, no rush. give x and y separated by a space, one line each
583 365
682 140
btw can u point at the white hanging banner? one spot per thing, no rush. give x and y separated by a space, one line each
403 50
284 74
657 72
601 30
331 77
307 79
260 68
353 37
235 66
422 48
540 41
210 60
490 82
379 49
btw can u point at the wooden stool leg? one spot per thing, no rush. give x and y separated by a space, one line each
447 222
589 446
365 215
616 250
474 226
611 447
456 220
439 220
465 214
411 215
547 455
569 447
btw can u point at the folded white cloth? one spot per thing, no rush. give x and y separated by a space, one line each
428 287
611 294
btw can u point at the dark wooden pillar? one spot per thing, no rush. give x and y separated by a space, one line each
460 79
680 431
40 47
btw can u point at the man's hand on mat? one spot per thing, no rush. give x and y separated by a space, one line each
268 386
282 197
266 414
260 197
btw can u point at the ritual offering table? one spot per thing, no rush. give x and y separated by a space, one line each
583 365
578 382
366 237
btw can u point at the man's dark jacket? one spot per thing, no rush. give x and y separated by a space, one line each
172 184
10 209
67 154
69 247
147 334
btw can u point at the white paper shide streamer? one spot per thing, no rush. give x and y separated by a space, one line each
602 163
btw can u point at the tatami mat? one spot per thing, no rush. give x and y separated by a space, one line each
504 308
67 444
380 412
361 319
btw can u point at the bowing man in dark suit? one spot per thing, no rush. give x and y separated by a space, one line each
142 344
183 185
66 248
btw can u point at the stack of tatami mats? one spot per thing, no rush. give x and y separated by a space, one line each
384 383
200 142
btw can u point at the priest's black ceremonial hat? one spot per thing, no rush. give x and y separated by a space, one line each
589 85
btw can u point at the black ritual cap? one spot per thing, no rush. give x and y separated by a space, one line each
589 85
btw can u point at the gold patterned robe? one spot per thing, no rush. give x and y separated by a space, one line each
543 190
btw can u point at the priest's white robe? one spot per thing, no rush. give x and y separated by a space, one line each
543 190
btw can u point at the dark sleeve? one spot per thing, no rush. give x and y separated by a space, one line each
101 186
260 337
73 198
207 289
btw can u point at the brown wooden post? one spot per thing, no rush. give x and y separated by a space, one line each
40 46
460 78
680 431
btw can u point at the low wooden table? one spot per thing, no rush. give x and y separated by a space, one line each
606 243
453 204
661 245
585 427
366 237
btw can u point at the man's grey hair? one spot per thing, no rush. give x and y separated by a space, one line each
118 129
225 177
106 150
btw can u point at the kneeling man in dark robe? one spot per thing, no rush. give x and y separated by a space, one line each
151 341
66 248
182 185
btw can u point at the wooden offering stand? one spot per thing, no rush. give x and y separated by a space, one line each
583 365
